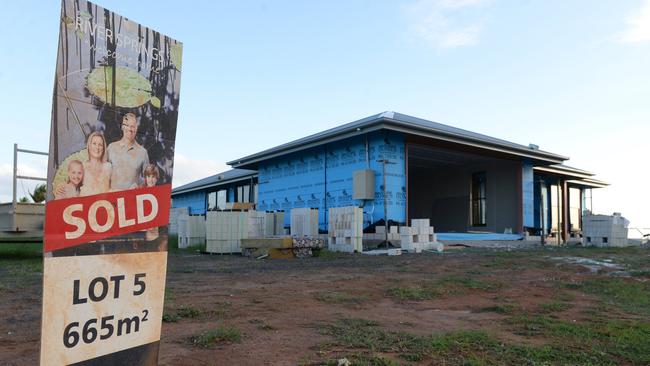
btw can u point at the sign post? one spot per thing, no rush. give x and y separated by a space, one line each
114 115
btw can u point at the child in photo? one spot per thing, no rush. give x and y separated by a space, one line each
72 187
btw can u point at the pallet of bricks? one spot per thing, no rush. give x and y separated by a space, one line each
174 213
418 237
605 231
380 234
304 222
345 229
225 230
191 230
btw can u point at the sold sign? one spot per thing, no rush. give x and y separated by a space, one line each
73 221
110 166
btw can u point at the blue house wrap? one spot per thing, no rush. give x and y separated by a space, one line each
321 177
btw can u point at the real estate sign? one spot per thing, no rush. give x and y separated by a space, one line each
115 107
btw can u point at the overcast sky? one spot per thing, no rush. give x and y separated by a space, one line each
570 76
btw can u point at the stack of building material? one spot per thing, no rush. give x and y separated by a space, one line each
345 229
304 247
257 227
191 230
269 223
380 234
278 220
418 237
173 218
304 222
226 229
239 206
280 247
605 231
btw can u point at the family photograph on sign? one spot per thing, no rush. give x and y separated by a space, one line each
123 164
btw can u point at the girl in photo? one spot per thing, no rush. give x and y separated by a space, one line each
73 183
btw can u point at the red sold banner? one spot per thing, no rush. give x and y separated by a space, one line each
116 95
78 220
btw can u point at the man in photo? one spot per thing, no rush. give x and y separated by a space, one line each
129 159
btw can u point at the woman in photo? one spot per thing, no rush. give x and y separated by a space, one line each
72 185
97 171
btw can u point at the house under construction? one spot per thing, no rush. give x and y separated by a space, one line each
397 168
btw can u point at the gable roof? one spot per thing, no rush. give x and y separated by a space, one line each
401 123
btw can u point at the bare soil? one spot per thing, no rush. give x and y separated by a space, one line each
280 306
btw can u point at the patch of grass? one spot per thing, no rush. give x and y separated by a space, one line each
606 341
631 296
454 348
170 318
21 250
500 309
326 254
564 296
222 334
188 312
554 307
340 298
181 312
462 283
414 293
448 285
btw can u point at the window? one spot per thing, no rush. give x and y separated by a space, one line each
240 194
221 199
243 193
212 201
478 199
247 193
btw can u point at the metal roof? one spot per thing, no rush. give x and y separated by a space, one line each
581 177
406 124
229 176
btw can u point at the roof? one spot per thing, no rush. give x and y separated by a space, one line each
580 177
401 123
229 176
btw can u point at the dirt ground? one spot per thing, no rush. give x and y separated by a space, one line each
285 312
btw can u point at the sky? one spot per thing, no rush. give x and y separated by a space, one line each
570 76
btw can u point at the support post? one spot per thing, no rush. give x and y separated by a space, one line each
15 177
565 212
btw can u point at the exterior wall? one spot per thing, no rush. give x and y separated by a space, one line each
502 180
528 194
195 201
322 177
443 195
